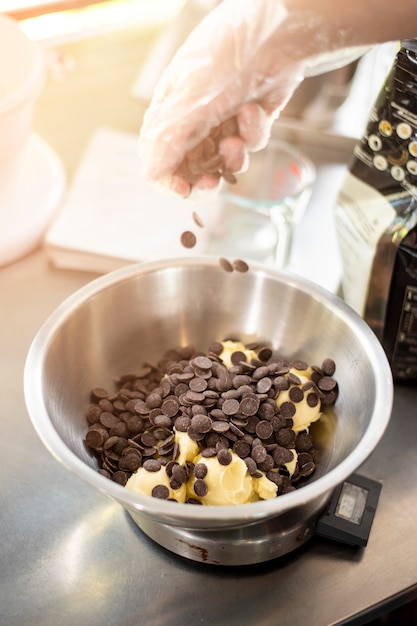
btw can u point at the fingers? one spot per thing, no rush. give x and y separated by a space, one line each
254 126
178 185
233 152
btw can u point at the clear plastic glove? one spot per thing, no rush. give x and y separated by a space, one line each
218 98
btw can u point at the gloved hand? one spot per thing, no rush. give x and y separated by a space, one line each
218 98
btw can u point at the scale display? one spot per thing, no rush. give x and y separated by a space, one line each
350 513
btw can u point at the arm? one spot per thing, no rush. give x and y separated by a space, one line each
218 98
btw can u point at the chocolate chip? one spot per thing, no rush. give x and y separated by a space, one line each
303 442
220 426
264 429
224 456
119 430
162 421
108 419
95 437
135 423
287 409
201 423
179 473
93 413
161 492
307 469
329 397
230 406
203 362
148 439
296 394
267 464
251 465
241 380
152 465
198 384
188 239
154 400
197 219
238 357
239 265
312 399
241 448
326 383
200 470
307 386
303 458
130 462
149 452
182 423
209 452
258 454
200 488
328 367
170 406
264 354
281 383
230 394
293 378
194 434
120 478
275 477
263 385
225 265
105 473
118 444
249 405
298 364
282 456
194 396
285 437
99 393
216 347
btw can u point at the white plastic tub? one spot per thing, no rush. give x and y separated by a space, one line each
22 77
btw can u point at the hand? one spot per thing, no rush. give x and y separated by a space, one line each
217 100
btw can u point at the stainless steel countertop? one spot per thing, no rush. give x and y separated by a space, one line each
70 555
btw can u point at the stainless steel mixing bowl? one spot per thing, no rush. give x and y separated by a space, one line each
115 323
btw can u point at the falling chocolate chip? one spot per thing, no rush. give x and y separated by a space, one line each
188 239
197 219
225 265
240 266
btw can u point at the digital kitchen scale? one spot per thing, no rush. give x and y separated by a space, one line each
350 512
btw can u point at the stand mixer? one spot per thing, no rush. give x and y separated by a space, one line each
32 179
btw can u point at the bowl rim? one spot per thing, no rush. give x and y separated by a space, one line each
179 513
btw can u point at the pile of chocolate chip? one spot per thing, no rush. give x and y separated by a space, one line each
221 408
205 157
